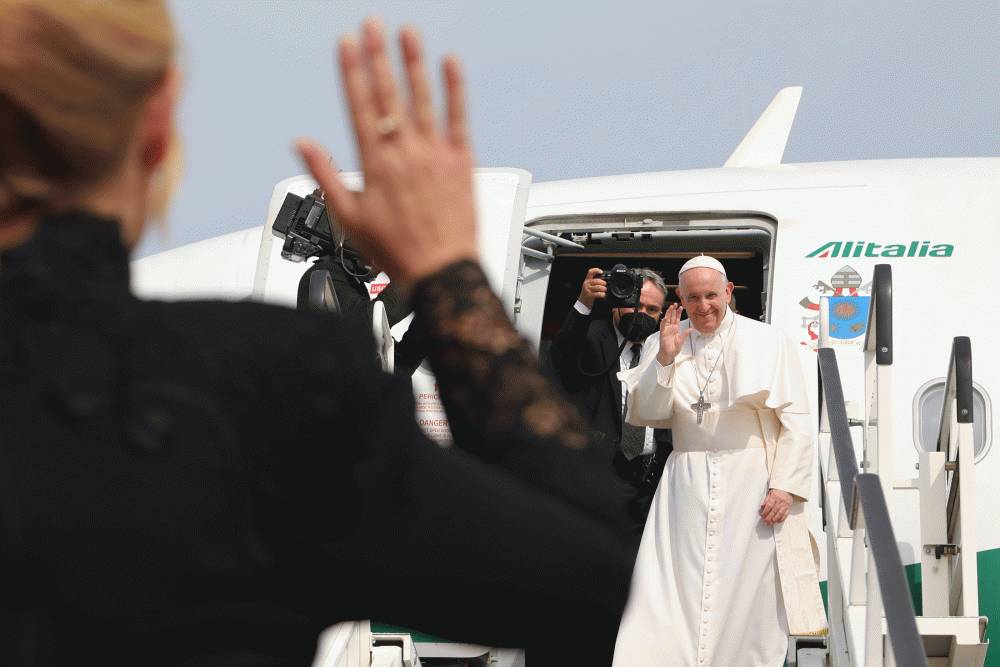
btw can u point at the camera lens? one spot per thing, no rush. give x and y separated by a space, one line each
621 282
624 285
621 286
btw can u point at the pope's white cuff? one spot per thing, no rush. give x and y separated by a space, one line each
664 374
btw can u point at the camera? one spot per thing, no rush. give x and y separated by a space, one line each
305 226
624 286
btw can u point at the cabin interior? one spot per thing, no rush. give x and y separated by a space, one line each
743 245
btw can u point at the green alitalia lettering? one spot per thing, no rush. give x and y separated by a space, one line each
852 249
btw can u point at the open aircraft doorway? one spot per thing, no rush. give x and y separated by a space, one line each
660 242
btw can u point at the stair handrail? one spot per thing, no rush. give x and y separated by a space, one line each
957 391
878 337
958 402
955 435
878 352
865 506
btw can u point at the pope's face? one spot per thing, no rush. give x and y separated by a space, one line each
704 293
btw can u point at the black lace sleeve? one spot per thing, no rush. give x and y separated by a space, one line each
500 407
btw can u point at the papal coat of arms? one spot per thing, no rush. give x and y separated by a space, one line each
848 297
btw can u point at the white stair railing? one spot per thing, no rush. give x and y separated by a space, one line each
868 593
950 631
877 443
949 584
860 544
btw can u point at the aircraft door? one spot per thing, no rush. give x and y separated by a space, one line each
501 203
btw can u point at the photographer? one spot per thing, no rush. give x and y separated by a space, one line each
587 354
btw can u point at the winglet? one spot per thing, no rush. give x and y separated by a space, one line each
765 143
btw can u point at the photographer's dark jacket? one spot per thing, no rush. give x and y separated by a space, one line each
356 306
583 346
211 483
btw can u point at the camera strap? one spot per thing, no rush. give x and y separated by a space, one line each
618 356
616 360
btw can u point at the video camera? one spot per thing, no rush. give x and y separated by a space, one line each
305 226
624 286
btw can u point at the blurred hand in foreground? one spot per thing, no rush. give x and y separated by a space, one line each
416 213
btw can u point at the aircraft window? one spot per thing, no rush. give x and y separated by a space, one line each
927 416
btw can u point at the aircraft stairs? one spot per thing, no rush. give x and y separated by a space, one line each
870 609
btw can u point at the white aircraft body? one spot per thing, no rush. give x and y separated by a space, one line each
801 241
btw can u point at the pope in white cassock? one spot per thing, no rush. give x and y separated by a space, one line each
726 568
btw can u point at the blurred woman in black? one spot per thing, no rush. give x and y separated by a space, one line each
179 482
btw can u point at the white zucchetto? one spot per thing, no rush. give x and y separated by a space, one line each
703 261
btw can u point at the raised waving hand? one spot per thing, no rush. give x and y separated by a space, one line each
416 213
671 336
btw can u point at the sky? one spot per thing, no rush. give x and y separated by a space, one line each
570 89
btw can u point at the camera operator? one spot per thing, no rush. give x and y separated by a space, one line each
587 354
358 284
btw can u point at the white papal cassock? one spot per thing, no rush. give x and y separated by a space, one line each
713 584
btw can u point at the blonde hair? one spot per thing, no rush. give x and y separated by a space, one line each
74 75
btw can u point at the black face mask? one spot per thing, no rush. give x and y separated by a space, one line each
636 326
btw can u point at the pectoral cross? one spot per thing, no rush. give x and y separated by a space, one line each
701 407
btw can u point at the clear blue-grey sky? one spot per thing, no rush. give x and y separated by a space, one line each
567 89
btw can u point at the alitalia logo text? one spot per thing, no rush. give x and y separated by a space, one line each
867 249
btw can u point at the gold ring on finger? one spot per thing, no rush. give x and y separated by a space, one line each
387 124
